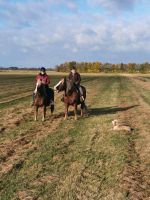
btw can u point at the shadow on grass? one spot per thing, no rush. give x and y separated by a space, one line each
108 110
97 111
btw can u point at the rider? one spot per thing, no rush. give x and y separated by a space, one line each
76 78
44 78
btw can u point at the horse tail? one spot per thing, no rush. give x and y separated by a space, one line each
83 105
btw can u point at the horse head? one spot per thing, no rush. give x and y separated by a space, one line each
61 85
66 85
69 87
40 87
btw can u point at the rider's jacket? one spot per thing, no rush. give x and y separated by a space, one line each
44 78
76 78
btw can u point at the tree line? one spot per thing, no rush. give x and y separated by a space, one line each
97 67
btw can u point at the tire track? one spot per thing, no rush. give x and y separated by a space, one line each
134 183
88 185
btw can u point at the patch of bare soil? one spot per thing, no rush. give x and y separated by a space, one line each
136 175
26 195
45 180
13 117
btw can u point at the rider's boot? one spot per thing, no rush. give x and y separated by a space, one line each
82 98
81 94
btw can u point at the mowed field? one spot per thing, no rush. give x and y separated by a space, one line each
76 160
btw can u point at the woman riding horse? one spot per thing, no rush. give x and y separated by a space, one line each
75 77
71 95
43 95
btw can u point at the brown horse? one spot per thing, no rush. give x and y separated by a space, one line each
42 100
71 95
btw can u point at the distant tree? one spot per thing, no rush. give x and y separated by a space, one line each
107 67
145 67
97 67
131 67
13 68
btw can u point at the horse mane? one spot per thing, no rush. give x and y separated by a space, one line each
73 88
41 90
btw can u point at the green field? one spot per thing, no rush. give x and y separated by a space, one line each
84 159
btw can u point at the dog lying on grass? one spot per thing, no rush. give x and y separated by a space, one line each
119 126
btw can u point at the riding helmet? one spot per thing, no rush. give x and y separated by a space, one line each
42 69
73 67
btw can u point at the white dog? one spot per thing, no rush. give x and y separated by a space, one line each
118 126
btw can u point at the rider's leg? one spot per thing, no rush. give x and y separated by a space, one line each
81 93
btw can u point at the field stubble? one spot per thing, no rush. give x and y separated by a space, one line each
61 159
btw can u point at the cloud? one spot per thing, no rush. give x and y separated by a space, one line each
115 5
41 33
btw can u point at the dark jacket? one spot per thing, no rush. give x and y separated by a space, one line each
76 78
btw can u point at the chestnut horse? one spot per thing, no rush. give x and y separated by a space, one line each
42 100
71 95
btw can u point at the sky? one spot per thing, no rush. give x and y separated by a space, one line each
36 33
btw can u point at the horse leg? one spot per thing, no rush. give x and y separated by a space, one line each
82 107
52 108
44 113
75 112
81 112
66 111
35 113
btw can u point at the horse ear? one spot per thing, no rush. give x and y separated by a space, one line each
65 79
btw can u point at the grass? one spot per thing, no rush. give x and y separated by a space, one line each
81 159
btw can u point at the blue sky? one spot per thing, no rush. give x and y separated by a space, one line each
36 33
